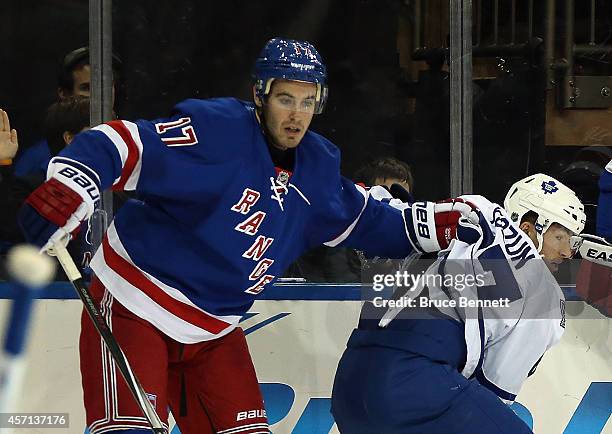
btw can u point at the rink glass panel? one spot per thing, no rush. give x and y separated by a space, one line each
388 79
541 102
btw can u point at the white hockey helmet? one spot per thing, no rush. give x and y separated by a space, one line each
552 201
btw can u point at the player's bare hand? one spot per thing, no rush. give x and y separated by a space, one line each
8 138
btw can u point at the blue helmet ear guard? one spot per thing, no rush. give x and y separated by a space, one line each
290 60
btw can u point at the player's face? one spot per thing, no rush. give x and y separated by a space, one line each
556 246
288 111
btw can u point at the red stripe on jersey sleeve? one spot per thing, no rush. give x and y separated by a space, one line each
134 276
133 153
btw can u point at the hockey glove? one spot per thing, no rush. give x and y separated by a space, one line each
55 210
594 278
432 226
593 248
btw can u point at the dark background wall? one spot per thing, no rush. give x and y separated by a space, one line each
172 50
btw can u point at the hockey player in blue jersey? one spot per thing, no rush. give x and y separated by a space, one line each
230 194
453 369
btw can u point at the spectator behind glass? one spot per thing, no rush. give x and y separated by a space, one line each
74 75
73 80
10 200
64 120
8 140
386 171
335 265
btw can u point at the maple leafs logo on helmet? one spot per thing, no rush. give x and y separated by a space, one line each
289 59
549 187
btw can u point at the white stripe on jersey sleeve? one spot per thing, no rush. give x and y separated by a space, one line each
344 235
132 181
124 150
120 145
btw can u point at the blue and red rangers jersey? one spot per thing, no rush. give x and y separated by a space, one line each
216 221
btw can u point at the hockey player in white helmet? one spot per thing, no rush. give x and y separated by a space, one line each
447 368
549 213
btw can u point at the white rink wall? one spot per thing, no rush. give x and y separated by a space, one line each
296 346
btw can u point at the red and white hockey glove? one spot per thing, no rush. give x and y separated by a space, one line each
55 210
432 226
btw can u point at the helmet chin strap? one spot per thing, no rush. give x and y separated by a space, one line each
543 225
540 238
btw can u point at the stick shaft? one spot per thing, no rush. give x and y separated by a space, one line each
99 323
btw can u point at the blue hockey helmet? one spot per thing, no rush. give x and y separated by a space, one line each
290 60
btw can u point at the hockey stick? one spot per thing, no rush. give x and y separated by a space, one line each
121 361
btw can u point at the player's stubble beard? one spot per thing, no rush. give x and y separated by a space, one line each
263 124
